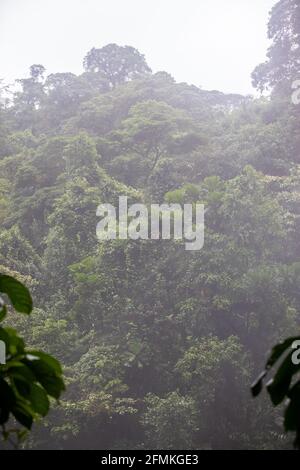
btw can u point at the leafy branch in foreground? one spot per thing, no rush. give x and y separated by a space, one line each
28 378
282 387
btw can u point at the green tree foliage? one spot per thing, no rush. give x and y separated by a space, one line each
28 378
278 73
283 64
116 63
30 97
283 386
159 345
169 422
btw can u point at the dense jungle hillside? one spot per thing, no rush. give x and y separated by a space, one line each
159 345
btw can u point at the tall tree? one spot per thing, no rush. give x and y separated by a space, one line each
283 63
32 87
117 63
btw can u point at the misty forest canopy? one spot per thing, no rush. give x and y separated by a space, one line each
159 345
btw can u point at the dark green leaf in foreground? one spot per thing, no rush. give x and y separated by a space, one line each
18 294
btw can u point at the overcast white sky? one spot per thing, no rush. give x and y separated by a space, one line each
210 43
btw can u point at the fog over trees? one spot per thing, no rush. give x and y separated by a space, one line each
158 345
